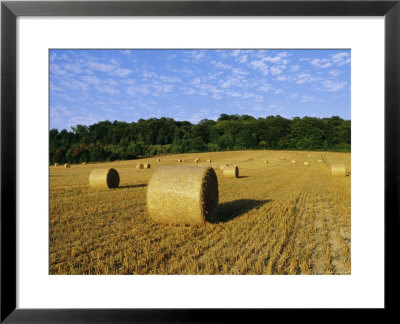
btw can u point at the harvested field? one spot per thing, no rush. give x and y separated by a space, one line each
276 218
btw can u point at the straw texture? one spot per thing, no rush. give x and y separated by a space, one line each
104 178
338 170
182 195
231 171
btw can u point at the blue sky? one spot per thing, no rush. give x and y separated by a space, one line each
88 86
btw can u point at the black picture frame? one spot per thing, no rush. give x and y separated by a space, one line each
10 10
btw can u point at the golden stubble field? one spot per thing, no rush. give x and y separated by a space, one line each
276 218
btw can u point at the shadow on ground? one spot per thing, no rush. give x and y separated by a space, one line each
134 186
230 210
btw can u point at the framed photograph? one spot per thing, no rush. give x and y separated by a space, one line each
197 160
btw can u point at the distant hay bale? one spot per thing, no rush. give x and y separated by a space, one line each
67 165
56 164
147 166
196 161
266 162
222 166
140 166
158 160
306 163
293 161
283 158
231 171
104 178
309 155
84 163
319 161
208 160
179 160
182 195
338 170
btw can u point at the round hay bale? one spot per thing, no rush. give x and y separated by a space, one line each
196 161
147 165
293 161
319 161
158 159
104 178
140 166
209 160
84 163
266 162
282 158
306 163
56 164
231 171
309 155
179 160
67 165
223 166
182 195
338 170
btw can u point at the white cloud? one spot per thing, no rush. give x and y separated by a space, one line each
341 58
259 65
275 70
107 89
294 68
220 65
332 86
242 59
321 63
306 98
335 73
90 79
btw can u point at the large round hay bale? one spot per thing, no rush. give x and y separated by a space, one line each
306 163
104 178
231 171
147 166
140 166
182 195
56 164
338 170
67 165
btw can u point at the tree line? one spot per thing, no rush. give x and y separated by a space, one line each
109 141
